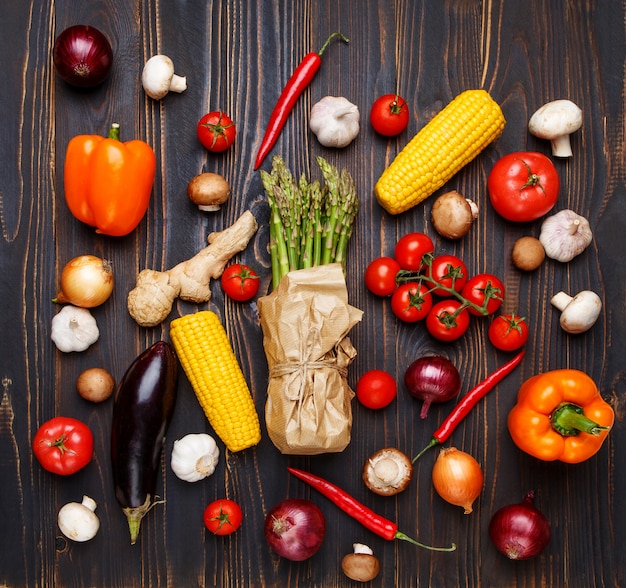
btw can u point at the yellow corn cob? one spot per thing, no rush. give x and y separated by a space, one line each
211 366
454 137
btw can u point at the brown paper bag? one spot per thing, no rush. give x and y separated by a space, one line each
305 322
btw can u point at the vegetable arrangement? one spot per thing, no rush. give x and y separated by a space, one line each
310 225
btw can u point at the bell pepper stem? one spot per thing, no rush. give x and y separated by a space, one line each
114 132
569 420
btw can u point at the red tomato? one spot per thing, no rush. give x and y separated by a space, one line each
223 516
484 290
410 250
411 302
523 186
389 115
63 445
508 332
376 389
448 271
380 276
216 131
240 282
447 321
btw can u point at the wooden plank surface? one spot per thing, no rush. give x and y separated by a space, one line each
237 54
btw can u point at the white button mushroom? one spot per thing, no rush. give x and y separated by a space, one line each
579 313
158 77
387 472
555 121
78 521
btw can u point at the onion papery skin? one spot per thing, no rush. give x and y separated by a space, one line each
82 56
520 531
295 528
457 478
86 281
432 378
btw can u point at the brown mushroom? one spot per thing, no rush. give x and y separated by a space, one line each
387 472
528 253
361 565
452 215
208 191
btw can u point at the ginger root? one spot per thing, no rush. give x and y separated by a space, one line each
150 302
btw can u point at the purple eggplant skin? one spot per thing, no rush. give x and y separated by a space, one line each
142 410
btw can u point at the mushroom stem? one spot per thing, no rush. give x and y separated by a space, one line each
561 146
178 83
561 300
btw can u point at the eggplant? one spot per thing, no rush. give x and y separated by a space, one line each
142 410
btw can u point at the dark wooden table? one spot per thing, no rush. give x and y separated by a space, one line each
237 54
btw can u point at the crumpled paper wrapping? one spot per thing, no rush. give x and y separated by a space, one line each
305 322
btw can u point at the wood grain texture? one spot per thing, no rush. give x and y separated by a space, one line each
237 55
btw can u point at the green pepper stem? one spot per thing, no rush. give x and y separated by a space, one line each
114 132
570 420
402 537
330 38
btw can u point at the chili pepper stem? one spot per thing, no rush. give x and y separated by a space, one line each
330 38
402 537
433 442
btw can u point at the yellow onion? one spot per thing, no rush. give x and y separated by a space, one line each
86 281
457 478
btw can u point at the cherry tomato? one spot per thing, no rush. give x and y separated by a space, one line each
446 321
448 271
63 445
508 332
223 516
411 302
376 389
523 186
484 290
240 282
380 276
389 115
216 131
410 250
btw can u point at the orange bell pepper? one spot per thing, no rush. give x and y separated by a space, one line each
560 415
108 183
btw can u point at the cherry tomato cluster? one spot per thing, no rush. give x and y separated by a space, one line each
434 288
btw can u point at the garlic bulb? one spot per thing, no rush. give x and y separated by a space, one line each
194 457
74 329
565 235
335 121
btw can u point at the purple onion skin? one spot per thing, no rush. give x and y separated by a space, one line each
295 528
432 378
82 56
520 531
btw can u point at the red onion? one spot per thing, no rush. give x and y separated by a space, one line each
295 528
82 56
432 378
520 531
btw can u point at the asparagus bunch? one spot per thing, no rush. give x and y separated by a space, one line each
310 222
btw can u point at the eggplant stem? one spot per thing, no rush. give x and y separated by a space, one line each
134 516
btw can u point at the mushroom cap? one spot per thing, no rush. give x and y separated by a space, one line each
208 191
556 118
387 472
452 215
360 567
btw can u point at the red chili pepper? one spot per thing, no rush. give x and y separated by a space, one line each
468 402
368 518
298 81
